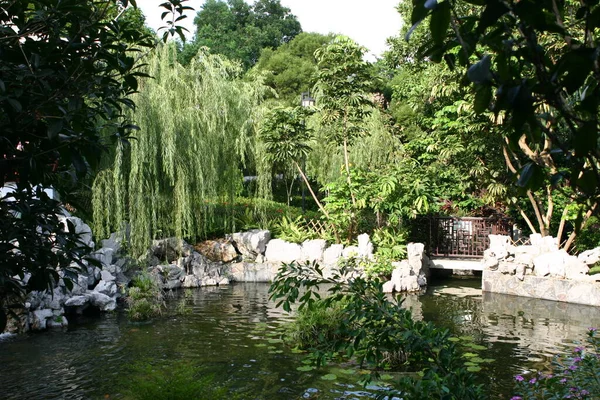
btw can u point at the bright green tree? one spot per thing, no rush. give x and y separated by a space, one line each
240 31
291 68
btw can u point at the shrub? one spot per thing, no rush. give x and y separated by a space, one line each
573 377
316 326
372 328
145 298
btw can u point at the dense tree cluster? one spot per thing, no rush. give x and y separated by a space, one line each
240 31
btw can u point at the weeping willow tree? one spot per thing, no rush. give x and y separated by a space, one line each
196 131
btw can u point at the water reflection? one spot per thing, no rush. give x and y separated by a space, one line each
219 333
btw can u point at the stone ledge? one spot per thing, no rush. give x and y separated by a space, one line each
547 288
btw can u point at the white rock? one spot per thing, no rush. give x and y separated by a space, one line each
365 247
499 245
590 257
224 281
312 250
548 263
350 251
490 262
77 301
388 287
209 282
575 268
108 288
332 254
281 251
191 281
39 319
102 301
251 243
106 276
57 321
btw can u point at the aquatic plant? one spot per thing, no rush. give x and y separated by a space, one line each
145 298
176 381
574 376
372 327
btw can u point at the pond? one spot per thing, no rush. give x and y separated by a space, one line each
232 333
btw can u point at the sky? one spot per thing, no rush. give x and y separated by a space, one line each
369 23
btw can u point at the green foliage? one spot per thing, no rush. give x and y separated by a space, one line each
240 31
145 299
390 243
297 230
285 134
574 376
542 89
178 381
197 124
372 327
66 73
291 68
589 237
316 326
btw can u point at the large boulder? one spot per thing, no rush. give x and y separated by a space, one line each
350 251
499 246
108 288
173 276
80 227
312 250
280 251
217 250
39 319
332 254
576 268
251 243
590 257
551 264
102 301
365 247
104 255
171 249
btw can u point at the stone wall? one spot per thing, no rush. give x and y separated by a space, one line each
540 270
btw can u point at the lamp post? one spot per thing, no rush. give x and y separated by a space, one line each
305 101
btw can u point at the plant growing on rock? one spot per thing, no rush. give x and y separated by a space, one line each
372 328
145 298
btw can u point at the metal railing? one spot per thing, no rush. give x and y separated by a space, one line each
465 237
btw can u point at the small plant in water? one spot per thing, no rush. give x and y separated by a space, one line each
576 376
371 328
145 298
175 381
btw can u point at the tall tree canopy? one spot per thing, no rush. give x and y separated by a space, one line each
291 68
240 31
196 129
534 65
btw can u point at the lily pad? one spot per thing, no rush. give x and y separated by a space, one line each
329 377
466 338
474 369
386 377
348 371
469 355
275 341
476 346
297 350
470 364
477 359
260 345
453 339
305 368
488 360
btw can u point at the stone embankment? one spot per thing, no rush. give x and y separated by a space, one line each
540 270
240 257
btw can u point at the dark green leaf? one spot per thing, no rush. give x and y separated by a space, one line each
479 72
526 173
439 23
586 139
483 97
54 127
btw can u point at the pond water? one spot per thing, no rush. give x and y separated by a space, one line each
231 332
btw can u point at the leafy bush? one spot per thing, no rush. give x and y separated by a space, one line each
145 298
172 382
317 325
573 377
589 237
246 213
372 328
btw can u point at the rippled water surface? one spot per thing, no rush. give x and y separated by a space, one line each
232 332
